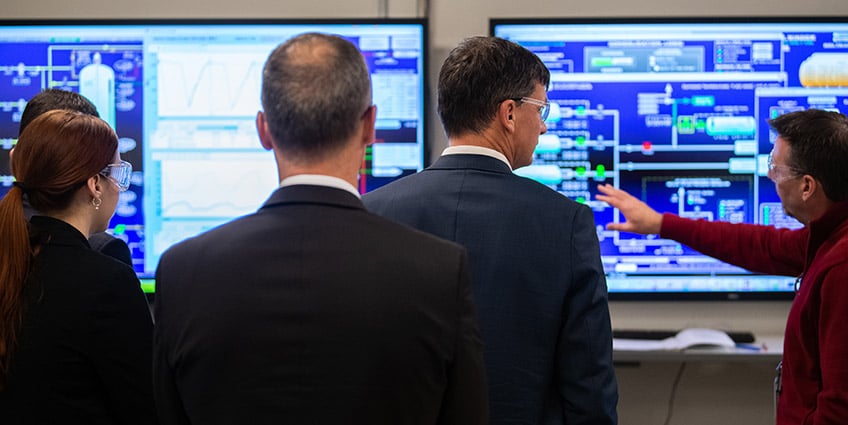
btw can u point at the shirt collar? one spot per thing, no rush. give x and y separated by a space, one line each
320 180
476 150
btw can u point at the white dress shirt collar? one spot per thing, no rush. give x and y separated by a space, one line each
320 180
476 150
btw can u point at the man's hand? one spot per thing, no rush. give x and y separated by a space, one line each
639 217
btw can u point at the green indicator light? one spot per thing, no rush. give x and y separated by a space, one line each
581 171
600 171
148 286
602 61
580 140
686 124
580 110
581 200
120 229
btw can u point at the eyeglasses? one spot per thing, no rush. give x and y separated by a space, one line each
120 174
544 106
780 173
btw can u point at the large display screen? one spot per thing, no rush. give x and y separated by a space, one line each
183 97
675 112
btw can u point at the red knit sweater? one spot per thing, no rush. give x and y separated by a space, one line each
815 348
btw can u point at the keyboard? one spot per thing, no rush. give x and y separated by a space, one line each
738 337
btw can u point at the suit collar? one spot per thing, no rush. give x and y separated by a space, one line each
470 161
48 230
312 194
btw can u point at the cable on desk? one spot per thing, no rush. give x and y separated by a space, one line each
674 385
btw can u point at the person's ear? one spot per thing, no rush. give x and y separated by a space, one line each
505 114
369 118
809 187
264 133
95 185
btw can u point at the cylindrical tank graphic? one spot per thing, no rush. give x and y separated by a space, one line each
824 70
97 83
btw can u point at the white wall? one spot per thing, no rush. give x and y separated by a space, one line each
708 393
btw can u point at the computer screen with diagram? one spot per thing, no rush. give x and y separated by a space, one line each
674 111
183 97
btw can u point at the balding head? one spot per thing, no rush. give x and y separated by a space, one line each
315 90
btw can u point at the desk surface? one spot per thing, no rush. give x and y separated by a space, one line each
772 351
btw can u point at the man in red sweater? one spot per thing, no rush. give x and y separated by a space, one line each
809 167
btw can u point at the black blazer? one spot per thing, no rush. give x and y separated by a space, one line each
314 311
539 285
83 353
111 246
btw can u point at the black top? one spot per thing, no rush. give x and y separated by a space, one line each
83 353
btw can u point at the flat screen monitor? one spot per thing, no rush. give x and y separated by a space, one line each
674 111
183 97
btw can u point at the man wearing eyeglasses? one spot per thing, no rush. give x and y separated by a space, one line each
809 168
51 99
538 280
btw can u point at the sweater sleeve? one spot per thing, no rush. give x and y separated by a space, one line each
758 248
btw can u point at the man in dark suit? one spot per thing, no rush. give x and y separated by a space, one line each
539 285
313 310
48 100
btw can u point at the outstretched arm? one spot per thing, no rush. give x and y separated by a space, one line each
639 217
755 247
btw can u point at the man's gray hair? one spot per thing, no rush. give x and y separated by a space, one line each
315 89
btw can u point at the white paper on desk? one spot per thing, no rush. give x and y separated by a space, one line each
687 338
624 344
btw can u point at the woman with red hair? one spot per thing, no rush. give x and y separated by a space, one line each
75 331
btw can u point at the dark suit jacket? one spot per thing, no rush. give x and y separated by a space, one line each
539 285
315 311
107 244
84 350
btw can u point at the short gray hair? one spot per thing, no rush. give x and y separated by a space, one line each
315 88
